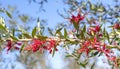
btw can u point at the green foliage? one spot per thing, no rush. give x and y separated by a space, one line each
65 33
8 14
50 31
34 32
26 35
24 18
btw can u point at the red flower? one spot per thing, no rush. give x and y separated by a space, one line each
94 30
76 19
41 45
19 43
37 44
9 45
116 26
97 45
97 28
51 45
85 47
16 48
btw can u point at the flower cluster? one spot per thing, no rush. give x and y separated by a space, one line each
76 19
98 46
11 44
40 45
94 30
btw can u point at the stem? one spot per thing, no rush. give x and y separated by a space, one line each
63 40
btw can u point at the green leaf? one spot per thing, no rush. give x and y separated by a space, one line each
2 21
8 14
26 35
42 37
50 31
69 55
22 48
34 32
76 26
92 6
2 27
53 53
110 26
108 38
24 18
65 33
82 64
60 34
96 53
92 67
84 29
13 32
82 33
104 32
58 31
14 38
20 36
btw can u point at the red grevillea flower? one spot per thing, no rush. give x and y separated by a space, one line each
41 45
76 19
16 48
85 47
37 44
19 43
9 45
116 26
96 45
94 29
51 45
109 53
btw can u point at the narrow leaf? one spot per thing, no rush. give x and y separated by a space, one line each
50 31
42 37
14 38
53 53
2 27
24 18
60 34
69 55
83 65
76 25
65 33
26 35
22 48
108 38
92 67
58 31
8 14
34 32
96 53
84 29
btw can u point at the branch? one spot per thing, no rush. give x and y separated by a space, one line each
63 40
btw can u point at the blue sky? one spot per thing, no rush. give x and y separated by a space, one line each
51 8
33 9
